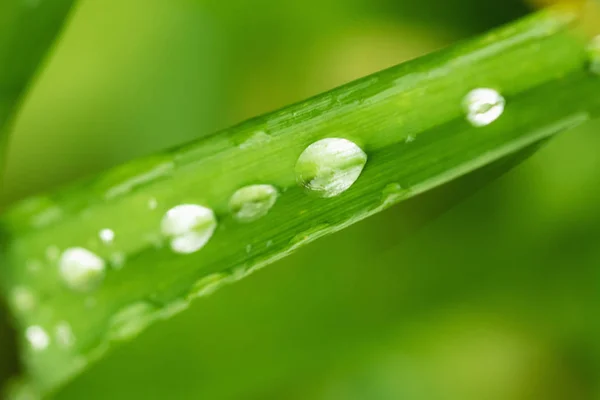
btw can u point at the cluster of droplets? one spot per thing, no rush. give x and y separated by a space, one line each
326 168
39 338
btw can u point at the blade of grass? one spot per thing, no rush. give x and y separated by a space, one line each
27 30
408 120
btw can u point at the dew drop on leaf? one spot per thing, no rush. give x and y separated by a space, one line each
64 334
252 202
117 260
107 236
81 270
208 285
131 320
37 337
483 106
189 227
330 166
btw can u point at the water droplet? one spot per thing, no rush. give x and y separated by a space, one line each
329 167
248 248
308 236
392 194
23 299
37 337
208 285
189 226
64 334
173 308
410 139
269 243
81 269
256 139
252 202
483 106
107 236
594 53
152 203
117 260
131 320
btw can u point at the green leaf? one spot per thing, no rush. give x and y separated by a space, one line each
27 30
95 263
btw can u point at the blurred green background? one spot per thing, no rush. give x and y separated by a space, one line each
497 298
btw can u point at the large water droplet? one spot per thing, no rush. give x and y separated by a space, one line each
329 167
483 106
252 202
594 53
81 269
37 337
189 227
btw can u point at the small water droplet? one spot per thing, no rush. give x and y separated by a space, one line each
308 236
483 106
248 248
392 194
81 269
410 139
37 337
64 334
256 139
269 243
107 236
131 320
117 260
152 203
189 227
208 285
594 54
330 166
23 299
252 202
